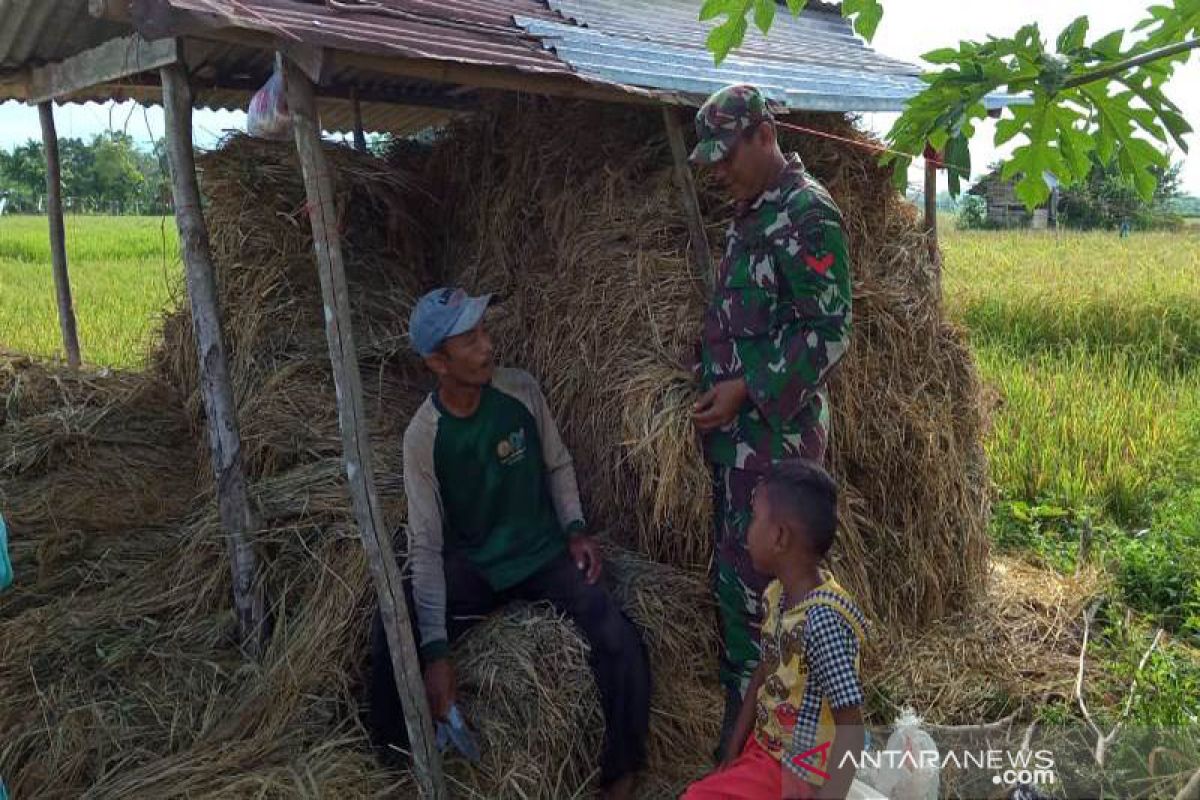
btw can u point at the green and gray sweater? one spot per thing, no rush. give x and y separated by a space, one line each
498 487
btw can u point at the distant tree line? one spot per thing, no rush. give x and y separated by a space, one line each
108 175
1186 205
1108 199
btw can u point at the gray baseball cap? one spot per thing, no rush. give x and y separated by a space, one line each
443 313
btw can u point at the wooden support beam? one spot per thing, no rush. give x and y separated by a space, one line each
58 236
111 61
356 444
687 196
113 10
315 61
216 390
931 233
360 136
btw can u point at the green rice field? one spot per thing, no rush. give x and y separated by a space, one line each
124 272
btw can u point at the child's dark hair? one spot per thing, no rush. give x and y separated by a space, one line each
802 492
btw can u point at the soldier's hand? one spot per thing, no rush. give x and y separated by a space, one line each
717 407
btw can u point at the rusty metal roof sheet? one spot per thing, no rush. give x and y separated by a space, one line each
480 32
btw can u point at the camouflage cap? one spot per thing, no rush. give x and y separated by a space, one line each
723 117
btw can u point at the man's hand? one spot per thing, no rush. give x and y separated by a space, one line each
586 554
718 406
439 687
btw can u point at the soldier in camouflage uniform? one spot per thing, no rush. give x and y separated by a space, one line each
778 322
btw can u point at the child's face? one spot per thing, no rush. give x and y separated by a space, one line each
762 538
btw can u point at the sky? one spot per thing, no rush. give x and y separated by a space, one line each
909 28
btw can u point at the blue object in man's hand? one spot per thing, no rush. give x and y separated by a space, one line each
455 733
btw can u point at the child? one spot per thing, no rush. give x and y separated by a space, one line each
802 712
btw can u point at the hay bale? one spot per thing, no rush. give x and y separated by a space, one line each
270 297
127 681
85 458
150 696
529 689
568 209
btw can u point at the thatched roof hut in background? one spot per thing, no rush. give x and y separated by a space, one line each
553 184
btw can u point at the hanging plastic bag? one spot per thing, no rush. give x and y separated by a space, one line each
269 115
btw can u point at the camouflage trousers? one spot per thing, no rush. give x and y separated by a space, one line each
737 586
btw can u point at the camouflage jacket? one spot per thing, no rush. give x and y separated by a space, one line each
779 317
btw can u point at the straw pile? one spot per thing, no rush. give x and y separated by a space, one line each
120 671
96 455
122 677
569 210
271 306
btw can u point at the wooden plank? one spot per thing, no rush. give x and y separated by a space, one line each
687 196
356 445
216 389
113 60
58 238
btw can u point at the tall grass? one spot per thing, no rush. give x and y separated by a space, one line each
123 273
1091 344
1033 292
1084 429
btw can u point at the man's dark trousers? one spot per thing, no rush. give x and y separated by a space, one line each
617 658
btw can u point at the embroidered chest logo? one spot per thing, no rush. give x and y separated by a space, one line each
511 450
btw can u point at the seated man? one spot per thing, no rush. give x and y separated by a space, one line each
494 515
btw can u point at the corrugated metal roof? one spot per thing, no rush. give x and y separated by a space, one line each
668 67
37 31
812 62
815 37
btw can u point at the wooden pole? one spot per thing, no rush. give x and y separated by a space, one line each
932 160
931 166
356 445
687 196
360 137
58 236
215 387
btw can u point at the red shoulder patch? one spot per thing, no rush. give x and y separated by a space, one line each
819 265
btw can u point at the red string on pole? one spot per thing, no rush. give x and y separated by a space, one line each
879 148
